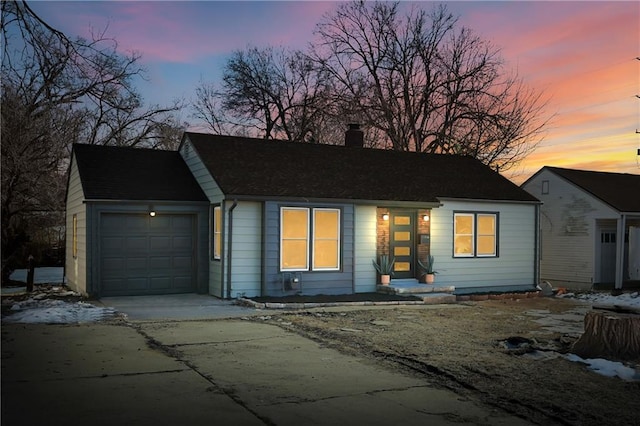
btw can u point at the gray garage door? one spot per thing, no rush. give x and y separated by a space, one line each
143 255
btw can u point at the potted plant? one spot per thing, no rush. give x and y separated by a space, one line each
428 271
384 266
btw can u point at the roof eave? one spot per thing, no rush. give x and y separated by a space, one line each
320 200
157 202
485 200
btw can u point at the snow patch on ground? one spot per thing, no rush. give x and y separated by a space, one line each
608 368
600 366
44 275
625 299
52 311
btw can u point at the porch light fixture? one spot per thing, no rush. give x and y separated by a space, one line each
425 218
152 212
385 216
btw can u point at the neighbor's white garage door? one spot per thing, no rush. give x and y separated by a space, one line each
144 255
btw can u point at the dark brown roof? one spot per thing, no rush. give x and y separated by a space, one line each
267 168
619 190
122 173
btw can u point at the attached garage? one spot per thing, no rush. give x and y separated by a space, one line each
137 224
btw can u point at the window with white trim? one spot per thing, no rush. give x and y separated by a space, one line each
326 239
309 239
74 243
217 232
475 235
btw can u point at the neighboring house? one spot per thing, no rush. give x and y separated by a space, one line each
283 218
589 226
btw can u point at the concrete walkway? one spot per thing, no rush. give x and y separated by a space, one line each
230 372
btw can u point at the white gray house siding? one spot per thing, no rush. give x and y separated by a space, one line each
76 266
217 273
570 224
364 274
513 269
245 253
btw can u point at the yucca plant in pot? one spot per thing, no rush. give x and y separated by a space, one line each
384 266
427 269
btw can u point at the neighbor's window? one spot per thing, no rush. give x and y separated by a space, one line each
475 235
309 233
217 232
74 247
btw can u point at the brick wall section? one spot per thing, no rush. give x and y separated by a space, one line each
382 229
424 227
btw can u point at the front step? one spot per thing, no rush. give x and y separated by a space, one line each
412 289
429 293
436 298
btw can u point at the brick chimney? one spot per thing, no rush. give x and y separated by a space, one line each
354 136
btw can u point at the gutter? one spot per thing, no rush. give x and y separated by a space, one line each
390 203
159 202
230 246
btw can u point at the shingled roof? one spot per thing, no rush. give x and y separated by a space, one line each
619 190
122 173
268 168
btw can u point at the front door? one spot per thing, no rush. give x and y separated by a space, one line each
403 231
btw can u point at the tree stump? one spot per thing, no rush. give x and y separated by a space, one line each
609 335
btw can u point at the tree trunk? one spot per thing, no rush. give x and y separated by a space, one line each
609 335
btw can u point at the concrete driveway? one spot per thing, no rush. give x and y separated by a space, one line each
223 372
189 306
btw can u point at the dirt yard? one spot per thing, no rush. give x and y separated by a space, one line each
484 350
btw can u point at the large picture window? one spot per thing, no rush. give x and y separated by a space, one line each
475 235
217 232
309 239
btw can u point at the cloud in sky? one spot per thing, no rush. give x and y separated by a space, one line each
579 54
186 32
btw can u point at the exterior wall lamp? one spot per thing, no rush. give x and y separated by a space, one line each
152 211
385 216
425 218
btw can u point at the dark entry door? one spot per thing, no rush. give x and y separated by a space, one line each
607 256
403 231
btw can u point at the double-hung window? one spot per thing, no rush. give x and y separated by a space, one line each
475 234
217 232
309 239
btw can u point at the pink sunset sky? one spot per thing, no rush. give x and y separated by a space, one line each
581 55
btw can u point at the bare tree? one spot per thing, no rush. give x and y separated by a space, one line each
57 91
427 84
206 107
270 93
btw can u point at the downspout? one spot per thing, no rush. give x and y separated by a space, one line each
537 248
230 246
